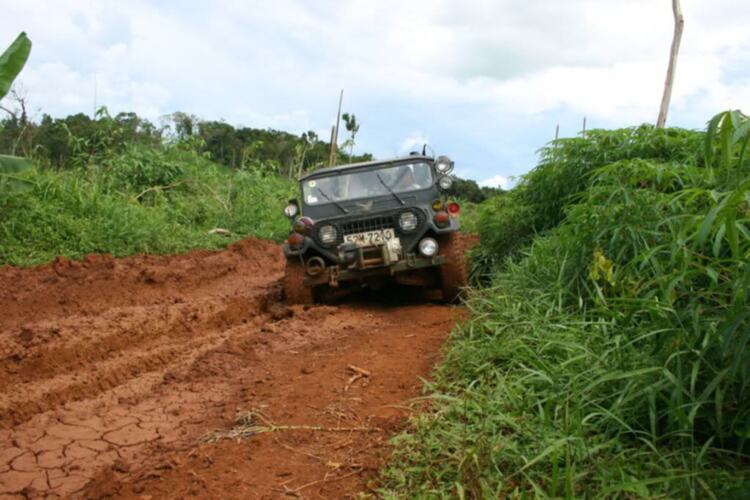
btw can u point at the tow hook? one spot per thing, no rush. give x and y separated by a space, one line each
333 277
411 260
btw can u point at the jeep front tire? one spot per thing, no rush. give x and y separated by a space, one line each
453 272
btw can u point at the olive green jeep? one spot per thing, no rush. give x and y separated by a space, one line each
368 223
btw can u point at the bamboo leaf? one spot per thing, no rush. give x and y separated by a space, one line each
725 139
711 130
12 62
741 131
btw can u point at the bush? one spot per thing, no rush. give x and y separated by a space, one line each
142 200
613 359
538 203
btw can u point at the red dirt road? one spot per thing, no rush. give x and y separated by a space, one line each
133 378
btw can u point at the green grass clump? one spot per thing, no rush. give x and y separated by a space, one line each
611 358
508 223
154 200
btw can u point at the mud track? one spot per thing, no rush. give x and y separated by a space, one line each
154 377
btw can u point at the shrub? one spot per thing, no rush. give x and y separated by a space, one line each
157 201
565 168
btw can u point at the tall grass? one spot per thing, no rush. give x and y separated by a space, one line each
612 358
508 224
156 200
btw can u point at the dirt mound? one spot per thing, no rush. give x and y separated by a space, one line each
101 282
113 371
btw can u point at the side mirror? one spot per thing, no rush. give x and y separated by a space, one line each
292 209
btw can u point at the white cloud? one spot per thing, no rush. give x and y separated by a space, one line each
500 181
414 142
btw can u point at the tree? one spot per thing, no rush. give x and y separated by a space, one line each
19 121
679 23
352 127
185 124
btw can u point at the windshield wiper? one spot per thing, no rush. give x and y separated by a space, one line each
389 189
333 201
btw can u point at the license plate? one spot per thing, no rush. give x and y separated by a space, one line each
371 238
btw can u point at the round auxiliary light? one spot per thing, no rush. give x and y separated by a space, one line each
441 219
437 205
428 247
445 183
291 210
302 225
296 239
443 164
454 208
328 234
408 221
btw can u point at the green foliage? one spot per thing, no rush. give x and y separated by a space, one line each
10 168
12 62
469 190
612 357
140 200
564 171
61 142
142 169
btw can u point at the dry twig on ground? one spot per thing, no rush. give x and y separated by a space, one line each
358 374
248 427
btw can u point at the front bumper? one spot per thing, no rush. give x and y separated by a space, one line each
335 274
409 242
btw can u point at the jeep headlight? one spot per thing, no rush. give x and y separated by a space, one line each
408 221
328 234
428 247
445 183
443 164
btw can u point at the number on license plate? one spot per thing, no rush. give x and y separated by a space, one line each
369 238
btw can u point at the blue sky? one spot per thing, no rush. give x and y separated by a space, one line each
484 81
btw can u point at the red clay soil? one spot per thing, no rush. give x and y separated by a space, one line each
153 377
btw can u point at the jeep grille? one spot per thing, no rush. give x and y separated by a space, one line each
371 224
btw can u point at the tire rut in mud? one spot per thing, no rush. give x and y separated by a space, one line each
111 372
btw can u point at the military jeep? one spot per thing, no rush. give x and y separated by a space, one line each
373 222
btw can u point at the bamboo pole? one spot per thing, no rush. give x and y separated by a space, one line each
333 145
334 141
679 23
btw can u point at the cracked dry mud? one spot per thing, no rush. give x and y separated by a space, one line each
113 372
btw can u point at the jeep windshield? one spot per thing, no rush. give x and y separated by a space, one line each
367 183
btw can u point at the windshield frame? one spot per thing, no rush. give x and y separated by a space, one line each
305 184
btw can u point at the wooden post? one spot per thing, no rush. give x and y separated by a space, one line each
679 23
335 138
333 145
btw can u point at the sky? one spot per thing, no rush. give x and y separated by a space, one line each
485 82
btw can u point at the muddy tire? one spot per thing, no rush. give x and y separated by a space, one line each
454 273
295 290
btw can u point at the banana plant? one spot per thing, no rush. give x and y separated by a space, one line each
12 62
